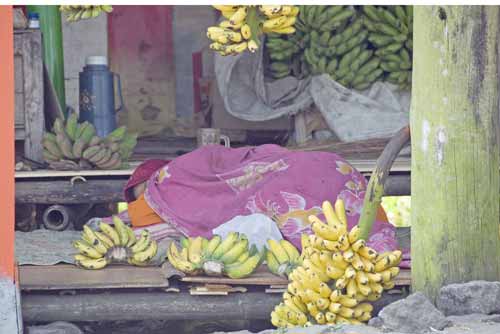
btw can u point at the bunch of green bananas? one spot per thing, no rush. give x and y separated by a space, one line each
282 257
338 277
391 30
231 257
347 44
245 24
75 145
285 56
116 244
83 12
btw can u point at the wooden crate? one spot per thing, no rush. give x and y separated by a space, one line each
29 101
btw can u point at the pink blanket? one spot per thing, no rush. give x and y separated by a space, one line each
206 188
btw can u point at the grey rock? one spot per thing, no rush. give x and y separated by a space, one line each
415 314
473 297
376 322
58 327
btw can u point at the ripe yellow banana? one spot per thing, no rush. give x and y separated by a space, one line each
225 245
292 252
235 252
131 237
147 254
246 32
340 211
252 46
278 251
194 249
354 234
211 246
87 249
110 232
92 263
142 243
90 236
332 218
239 15
121 228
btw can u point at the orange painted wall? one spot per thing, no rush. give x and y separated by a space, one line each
7 198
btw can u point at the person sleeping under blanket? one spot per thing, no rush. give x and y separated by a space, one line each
201 190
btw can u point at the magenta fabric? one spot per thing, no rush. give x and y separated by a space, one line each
203 189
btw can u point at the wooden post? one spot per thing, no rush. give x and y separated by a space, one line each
10 322
455 151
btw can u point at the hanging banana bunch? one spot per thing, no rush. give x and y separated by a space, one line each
243 26
230 257
83 12
339 276
391 33
116 244
356 46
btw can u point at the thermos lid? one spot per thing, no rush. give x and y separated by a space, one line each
96 60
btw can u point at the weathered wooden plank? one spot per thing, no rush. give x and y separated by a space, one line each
69 277
263 277
51 174
63 192
32 69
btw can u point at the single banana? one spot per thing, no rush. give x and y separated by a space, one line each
147 254
93 240
92 264
121 228
292 252
225 245
246 32
234 253
110 232
142 243
87 249
211 246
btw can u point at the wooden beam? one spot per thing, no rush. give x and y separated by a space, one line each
9 302
63 192
147 306
159 306
455 146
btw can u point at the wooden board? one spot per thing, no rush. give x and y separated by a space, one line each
63 192
263 277
29 100
69 277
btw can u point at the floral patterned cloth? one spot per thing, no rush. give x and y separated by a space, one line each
203 189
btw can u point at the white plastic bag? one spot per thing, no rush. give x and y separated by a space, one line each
378 112
257 227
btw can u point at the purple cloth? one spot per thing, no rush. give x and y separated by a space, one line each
203 189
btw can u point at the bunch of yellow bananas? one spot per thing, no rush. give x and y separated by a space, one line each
231 257
338 277
111 244
282 257
244 25
83 12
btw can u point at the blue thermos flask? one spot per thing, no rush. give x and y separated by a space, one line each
97 95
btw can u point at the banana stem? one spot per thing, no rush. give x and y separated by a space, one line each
253 22
375 189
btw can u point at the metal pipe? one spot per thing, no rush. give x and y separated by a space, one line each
57 217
